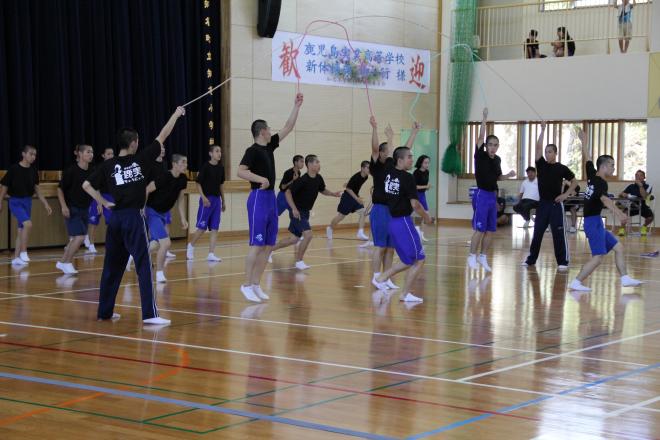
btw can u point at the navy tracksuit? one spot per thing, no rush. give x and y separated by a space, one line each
126 234
550 213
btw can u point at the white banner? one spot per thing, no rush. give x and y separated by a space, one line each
330 61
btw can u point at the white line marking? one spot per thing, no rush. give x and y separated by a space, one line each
639 405
557 356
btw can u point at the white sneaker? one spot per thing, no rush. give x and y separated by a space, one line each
377 284
526 224
577 285
361 235
213 257
18 262
367 244
91 248
256 288
130 260
483 260
115 316
627 281
24 257
411 298
270 257
160 277
300 265
190 252
63 267
424 239
328 232
524 263
249 294
562 267
390 284
170 255
157 321
572 230
72 270
472 262
86 242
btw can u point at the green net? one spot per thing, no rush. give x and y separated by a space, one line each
460 80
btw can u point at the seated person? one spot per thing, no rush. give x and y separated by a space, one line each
502 218
572 206
532 46
642 190
528 197
564 45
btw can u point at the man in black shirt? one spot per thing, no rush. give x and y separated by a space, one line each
379 217
287 179
300 196
210 181
165 190
351 202
402 199
74 202
124 177
21 182
551 176
487 171
258 167
601 241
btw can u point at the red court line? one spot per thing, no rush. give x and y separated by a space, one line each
270 379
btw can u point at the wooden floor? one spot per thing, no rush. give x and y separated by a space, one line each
511 355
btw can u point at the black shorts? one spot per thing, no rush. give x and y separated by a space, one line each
646 212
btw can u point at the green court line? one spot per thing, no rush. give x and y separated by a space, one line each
107 416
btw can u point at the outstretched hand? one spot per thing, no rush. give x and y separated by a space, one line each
299 99
372 122
389 132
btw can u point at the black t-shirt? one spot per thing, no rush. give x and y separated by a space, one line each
551 178
20 181
167 191
210 177
421 178
596 187
378 170
399 187
287 177
305 189
260 161
125 178
487 170
532 46
71 185
355 183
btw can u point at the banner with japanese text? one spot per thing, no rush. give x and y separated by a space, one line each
331 61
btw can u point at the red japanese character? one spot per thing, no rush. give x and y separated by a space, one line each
417 73
288 57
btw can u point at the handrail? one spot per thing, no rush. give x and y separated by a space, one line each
544 3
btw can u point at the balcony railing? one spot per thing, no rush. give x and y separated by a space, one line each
502 30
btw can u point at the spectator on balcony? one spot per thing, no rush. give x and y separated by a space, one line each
564 44
532 46
624 18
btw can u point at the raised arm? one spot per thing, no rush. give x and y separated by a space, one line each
586 150
413 134
169 126
539 141
482 130
293 117
374 138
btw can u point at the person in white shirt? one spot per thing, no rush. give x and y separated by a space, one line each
529 196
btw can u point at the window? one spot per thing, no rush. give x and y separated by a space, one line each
634 148
508 151
553 5
624 140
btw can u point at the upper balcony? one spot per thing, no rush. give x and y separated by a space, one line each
592 24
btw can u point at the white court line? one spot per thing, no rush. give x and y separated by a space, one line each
182 279
177 261
556 356
639 405
344 330
313 362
